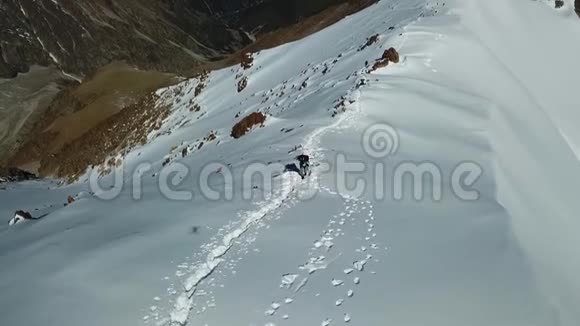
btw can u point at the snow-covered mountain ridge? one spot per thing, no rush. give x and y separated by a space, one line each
463 91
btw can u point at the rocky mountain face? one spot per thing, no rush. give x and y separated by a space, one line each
168 35
81 35
44 44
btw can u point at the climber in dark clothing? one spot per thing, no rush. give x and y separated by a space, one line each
304 161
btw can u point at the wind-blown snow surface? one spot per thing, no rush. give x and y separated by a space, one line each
475 83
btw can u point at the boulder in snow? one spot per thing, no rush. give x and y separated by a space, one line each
247 60
392 55
247 123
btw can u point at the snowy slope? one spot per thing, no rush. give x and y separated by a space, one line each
464 94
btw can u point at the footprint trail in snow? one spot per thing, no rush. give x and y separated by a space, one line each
341 258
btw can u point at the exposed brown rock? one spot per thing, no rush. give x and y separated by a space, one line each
247 60
392 55
380 64
247 123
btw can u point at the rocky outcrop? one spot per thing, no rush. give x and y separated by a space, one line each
247 123
577 7
247 61
390 55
